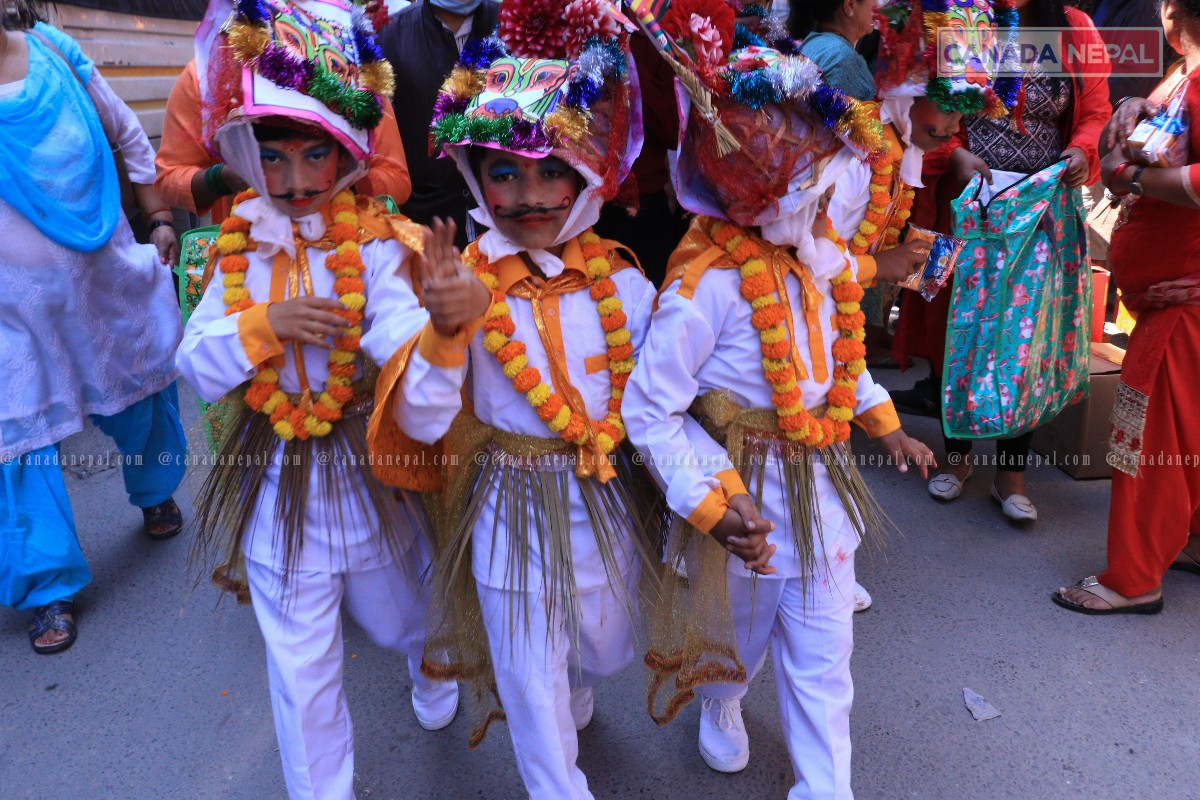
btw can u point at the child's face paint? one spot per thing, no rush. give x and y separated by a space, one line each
529 198
300 173
932 127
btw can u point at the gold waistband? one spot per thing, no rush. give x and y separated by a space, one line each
729 423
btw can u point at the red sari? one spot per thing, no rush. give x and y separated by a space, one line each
1155 440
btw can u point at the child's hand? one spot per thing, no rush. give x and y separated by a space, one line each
743 532
964 164
904 448
897 264
308 320
453 296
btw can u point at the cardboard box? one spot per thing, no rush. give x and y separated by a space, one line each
1076 441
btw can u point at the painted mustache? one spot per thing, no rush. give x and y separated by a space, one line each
307 193
528 211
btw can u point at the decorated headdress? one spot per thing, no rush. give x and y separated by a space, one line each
957 69
311 61
785 121
557 79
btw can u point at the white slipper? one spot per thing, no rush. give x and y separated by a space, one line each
947 487
1016 507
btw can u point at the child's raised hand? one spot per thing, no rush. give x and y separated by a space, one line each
452 294
903 449
308 320
743 532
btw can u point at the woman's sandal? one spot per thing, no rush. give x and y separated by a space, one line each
1118 604
165 513
53 617
1185 563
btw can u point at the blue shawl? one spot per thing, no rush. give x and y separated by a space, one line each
56 167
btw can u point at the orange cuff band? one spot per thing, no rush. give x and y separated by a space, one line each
731 483
867 269
258 337
444 351
879 420
709 512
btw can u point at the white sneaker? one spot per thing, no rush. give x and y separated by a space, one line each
435 705
862 598
724 745
583 703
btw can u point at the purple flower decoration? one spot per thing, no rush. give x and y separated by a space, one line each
283 68
529 136
254 11
446 104
369 50
830 103
480 53
581 94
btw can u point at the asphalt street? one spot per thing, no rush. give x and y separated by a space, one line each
164 696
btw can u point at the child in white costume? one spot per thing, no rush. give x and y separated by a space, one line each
311 287
755 349
543 545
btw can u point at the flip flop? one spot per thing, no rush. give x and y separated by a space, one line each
1094 587
166 512
1185 563
52 616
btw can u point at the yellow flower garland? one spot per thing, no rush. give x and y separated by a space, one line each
300 417
876 223
758 287
510 353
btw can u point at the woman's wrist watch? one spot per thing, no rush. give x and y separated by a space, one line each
1135 182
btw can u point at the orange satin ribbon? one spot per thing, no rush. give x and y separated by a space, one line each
811 299
288 276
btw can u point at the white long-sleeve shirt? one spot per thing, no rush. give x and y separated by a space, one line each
219 353
430 394
708 343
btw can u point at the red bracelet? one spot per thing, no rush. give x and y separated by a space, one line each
149 214
1112 179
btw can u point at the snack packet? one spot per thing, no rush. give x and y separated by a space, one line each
943 254
1162 140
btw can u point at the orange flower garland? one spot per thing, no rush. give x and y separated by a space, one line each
759 287
876 223
551 408
301 417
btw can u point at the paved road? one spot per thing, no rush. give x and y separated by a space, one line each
164 697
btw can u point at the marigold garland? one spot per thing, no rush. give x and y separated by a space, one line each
263 395
760 289
876 226
510 353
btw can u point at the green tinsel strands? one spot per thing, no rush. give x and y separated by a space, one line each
326 87
938 90
362 109
455 128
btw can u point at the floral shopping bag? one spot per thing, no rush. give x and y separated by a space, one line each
1017 335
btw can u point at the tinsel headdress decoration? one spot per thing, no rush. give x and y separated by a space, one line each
787 123
313 60
721 63
955 47
556 78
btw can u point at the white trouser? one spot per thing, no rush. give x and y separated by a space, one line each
302 627
537 665
811 633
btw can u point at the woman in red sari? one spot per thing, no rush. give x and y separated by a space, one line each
1155 259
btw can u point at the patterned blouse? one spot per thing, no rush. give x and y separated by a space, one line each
1002 146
